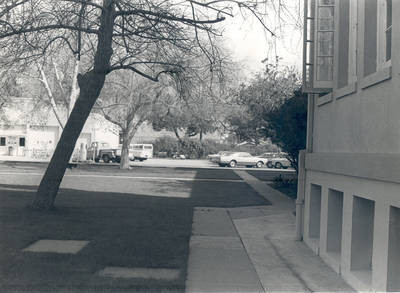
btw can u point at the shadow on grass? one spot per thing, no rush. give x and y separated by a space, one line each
125 230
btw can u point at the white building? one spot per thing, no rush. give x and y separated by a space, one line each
36 136
351 169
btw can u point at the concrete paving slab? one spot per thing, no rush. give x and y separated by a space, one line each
246 212
218 287
212 221
281 279
216 242
57 246
210 259
144 273
218 261
281 262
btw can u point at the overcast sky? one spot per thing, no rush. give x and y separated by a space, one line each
250 43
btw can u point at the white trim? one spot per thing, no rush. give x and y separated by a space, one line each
322 83
376 77
351 88
324 99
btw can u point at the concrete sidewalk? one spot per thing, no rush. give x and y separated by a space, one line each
253 249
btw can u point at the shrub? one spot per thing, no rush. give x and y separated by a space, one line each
166 144
191 148
286 186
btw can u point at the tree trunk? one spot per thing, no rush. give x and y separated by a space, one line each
125 161
177 136
48 188
90 85
75 88
127 136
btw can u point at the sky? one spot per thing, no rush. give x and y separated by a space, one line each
250 43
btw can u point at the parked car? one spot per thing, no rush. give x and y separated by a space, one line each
102 151
215 157
140 151
109 155
233 159
279 162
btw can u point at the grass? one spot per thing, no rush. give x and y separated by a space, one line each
286 186
126 230
271 174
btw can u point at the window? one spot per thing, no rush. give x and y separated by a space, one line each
384 33
318 46
370 36
22 141
347 43
377 35
388 30
2 141
343 40
324 41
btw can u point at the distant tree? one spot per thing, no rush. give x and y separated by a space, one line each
250 105
127 101
194 104
287 126
58 77
9 89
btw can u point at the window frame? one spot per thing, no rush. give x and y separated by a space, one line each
383 68
352 48
381 62
323 84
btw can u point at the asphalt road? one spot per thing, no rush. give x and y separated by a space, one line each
203 185
174 182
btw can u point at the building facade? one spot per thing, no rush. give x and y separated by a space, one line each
349 208
36 136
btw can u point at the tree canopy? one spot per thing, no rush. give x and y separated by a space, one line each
251 103
287 126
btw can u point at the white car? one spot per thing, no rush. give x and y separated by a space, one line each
279 163
215 157
233 159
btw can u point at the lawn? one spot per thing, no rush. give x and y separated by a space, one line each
124 230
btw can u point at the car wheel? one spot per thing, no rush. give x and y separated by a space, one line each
259 164
232 164
278 165
270 165
97 160
106 159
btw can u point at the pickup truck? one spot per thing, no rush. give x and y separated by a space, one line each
102 151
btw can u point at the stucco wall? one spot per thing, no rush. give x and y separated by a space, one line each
367 121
